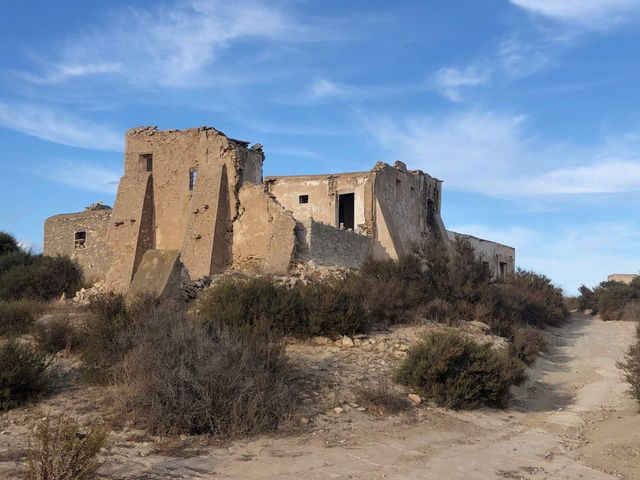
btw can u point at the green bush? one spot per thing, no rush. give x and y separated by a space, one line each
55 335
8 244
526 298
240 303
189 378
43 278
59 450
587 300
321 307
631 366
22 371
17 316
456 372
612 298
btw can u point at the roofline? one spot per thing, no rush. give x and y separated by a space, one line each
481 239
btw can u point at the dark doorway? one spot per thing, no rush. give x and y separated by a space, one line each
346 210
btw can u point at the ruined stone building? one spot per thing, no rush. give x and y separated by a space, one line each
199 196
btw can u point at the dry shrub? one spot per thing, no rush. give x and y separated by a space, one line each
527 343
106 336
631 366
383 399
22 373
189 378
55 335
612 298
17 316
454 371
631 311
437 311
60 450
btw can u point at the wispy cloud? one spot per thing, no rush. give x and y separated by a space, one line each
170 45
47 124
84 175
492 153
450 80
591 13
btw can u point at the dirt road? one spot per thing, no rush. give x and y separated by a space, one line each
571 420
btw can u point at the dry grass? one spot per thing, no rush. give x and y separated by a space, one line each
383 399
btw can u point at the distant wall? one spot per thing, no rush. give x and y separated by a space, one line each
622 277
94 254
326 245
501 259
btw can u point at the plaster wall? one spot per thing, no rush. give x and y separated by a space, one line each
322 192
622 277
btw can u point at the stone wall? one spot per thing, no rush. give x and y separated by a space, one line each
325 245
501 259
94 254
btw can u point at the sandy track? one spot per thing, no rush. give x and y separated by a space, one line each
571 420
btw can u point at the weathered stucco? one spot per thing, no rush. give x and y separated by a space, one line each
501 259
201 194
263 234
160 274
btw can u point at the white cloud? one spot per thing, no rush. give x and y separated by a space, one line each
46 124
170 45
322 88
450 80
491 153
593 13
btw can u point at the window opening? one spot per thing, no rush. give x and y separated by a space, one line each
80 240
146 159
346 210
193 175
503 269
303 199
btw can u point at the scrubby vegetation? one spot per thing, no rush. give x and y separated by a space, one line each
17 316
612 300
24 275
22 370
185 377
55 335
383 399
457 372
631 366
59 450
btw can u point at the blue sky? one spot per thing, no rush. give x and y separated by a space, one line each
527 109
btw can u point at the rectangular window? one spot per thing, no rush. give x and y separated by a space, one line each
80 239
413 190
303 199
503 269
346 211
193 175
146 160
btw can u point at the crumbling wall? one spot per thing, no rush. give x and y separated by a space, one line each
94 254
326 245
501 259
407 206
321 192
264 236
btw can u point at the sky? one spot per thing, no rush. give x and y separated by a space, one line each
528 110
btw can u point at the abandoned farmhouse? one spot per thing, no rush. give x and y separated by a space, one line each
198 197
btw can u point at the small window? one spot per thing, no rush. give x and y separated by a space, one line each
303 199
398 182
146 159
193 175
503 269
80 240
413 190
